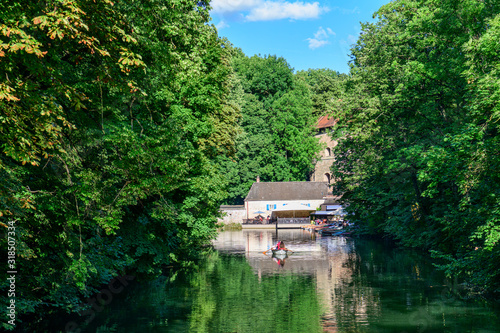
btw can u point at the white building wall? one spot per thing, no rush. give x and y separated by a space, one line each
233 215
268 206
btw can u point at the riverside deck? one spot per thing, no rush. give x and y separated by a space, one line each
273 226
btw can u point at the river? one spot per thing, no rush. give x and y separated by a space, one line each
328 284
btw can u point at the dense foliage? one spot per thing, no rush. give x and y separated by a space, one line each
112 116
276 141
419 142
123 124
325 85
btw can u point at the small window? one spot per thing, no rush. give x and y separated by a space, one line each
328 152
327 178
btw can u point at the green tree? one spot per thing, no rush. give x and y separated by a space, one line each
113 116
276 141
326 87
416 137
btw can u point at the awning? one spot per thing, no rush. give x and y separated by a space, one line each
324 212
329 213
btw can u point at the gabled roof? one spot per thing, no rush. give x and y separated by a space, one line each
326 121
287 191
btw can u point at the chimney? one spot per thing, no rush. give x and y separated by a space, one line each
258 179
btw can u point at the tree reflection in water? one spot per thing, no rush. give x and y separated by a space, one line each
230 297
328 284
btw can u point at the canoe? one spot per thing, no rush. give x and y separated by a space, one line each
280 252
335 233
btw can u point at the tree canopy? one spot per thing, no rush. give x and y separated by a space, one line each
112 118
276 141
418 132
124 125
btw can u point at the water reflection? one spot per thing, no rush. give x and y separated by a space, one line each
365 286
311 254
325 259
229 297
330 284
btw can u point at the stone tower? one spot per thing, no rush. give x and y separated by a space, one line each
322 172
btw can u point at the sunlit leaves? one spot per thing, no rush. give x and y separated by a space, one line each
112 115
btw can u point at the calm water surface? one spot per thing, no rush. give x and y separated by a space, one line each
329 284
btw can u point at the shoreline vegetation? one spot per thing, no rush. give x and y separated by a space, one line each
122 132
230 227
113 118
418 134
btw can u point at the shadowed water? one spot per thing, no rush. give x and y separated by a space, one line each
329 284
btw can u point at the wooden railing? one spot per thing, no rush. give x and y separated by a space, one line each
256 221
294 220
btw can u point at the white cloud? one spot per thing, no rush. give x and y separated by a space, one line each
221 25
274 10
320 38
229 6
323 34
315 43
268 10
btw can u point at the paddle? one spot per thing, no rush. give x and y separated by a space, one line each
267 250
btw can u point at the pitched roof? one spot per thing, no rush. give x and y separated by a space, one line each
287 191
325 121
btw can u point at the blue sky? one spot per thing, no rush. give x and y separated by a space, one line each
308 34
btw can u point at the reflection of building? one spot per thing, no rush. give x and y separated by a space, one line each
322 172
327 259
297 199
310 256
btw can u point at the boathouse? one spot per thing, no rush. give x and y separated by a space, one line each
288 202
